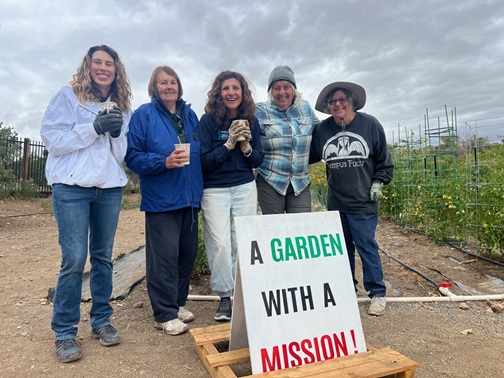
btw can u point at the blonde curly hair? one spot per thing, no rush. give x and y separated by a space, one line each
83 86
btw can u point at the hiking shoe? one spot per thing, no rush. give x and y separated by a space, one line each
107 334
223 313
377 306
173 327
68 350
185 315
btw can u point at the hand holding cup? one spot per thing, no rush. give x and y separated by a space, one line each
109 119
240 130
186 148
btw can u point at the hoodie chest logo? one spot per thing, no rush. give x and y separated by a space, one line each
345 145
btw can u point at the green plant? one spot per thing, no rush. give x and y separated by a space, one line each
131 201
449 195
25 189
133 185
9 152
201 264
46 205
318 188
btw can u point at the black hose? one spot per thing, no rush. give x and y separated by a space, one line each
24 215
476 255
409 267
458 248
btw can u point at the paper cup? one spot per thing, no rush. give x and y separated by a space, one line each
240 122
187 149
108 105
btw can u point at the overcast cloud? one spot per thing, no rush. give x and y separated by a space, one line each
409 55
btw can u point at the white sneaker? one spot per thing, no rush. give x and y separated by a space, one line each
185 315
173 327
377 306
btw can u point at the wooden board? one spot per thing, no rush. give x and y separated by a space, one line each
375 363
128 270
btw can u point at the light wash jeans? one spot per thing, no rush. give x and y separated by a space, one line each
82 214
219 207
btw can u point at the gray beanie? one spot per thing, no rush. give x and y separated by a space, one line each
282 73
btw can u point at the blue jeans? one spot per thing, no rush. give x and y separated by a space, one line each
359 231
84 214
219 207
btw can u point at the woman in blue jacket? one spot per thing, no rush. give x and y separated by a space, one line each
171 194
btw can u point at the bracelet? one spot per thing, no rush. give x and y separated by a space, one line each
249 153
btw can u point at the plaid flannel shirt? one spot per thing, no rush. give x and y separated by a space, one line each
286 137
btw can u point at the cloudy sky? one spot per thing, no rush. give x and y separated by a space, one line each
412 57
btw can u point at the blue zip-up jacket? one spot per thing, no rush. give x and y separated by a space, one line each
151 139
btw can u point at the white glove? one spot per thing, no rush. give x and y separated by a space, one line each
238 128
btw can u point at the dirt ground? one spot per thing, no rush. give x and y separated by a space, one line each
447 339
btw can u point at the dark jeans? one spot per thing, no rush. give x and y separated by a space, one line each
272 202
359 231
171 247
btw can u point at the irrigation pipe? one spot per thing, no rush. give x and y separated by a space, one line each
23 215
460 286
476 255
451 298
462 249
191 297
410 267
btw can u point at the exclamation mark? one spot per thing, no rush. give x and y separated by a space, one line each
352 333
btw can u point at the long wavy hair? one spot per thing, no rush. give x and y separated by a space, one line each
215 105
85 89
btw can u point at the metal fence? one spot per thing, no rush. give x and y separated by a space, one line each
22 161
448 183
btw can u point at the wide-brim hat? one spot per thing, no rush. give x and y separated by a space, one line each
358 94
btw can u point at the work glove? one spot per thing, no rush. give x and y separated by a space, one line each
236 130
246 148
376 191
243 127
109 122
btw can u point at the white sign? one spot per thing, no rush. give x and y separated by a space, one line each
295 287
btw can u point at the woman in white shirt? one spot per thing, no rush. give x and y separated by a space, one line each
86 148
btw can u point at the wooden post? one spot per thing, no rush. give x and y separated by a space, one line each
26 160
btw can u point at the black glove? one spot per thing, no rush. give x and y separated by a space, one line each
110 121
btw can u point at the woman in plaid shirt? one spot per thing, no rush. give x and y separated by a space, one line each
286 122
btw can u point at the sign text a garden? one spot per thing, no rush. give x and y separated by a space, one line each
294 291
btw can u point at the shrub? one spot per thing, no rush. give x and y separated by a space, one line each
201 264
318 188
